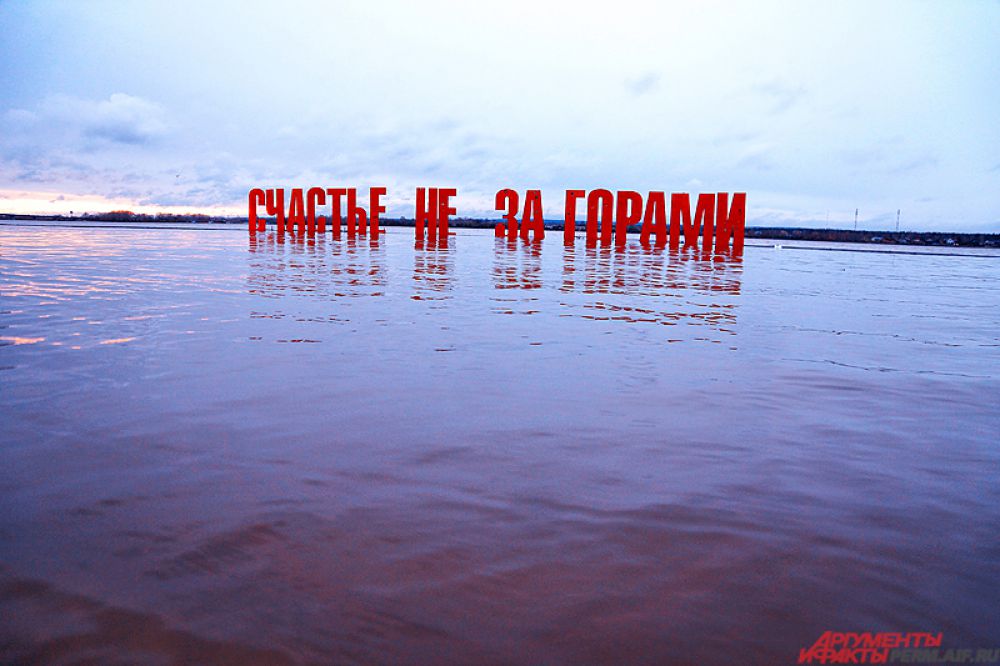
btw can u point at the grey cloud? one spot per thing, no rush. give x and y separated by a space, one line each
925 161
756 162
61 139
780 96
643 84
120 119
891 155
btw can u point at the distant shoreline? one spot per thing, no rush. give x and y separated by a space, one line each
917 238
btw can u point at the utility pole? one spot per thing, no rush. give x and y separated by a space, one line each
855 219
897 220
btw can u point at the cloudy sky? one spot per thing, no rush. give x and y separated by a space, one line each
813 108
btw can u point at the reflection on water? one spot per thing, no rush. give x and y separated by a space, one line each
700 288
643 284
517 264
433 269
428 479
647 271
315 265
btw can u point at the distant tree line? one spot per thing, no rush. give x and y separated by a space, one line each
777 233
884 237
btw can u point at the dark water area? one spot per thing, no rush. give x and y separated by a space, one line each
337 452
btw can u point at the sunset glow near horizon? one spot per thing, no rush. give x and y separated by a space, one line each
814 109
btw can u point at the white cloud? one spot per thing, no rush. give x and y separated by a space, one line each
87 123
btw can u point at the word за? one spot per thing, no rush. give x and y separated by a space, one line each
302 209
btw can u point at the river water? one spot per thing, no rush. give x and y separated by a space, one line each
223 451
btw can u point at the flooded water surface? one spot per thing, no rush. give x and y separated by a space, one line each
217 451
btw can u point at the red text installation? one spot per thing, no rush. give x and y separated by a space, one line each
716 221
